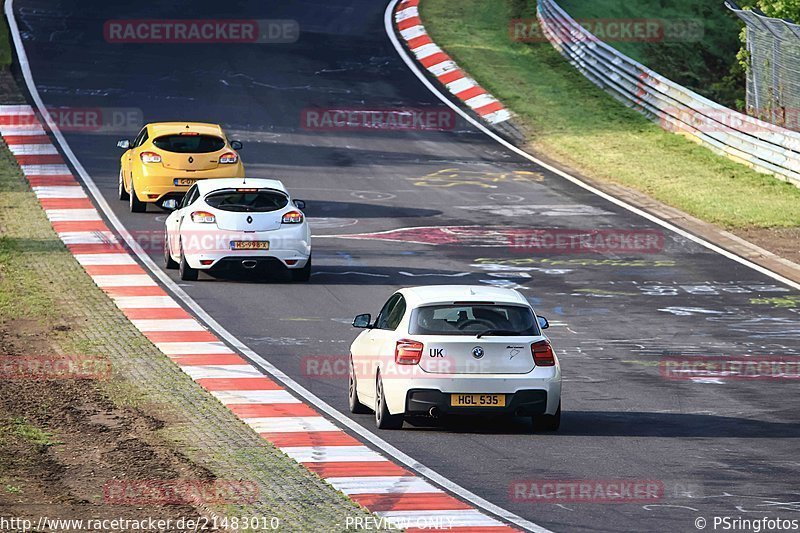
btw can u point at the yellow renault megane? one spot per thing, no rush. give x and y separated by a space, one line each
167 158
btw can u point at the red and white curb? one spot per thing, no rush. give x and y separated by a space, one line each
300 431
442 66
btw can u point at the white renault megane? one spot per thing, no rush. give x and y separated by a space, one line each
455 350
238 223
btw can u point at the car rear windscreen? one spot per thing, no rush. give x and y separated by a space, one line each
473 319
189 144
261 201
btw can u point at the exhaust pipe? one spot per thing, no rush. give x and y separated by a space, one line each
434 412
249 263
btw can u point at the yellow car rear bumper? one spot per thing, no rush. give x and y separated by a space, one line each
152 184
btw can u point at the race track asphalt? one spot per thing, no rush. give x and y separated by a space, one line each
717 447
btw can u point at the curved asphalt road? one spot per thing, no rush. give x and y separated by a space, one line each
724 448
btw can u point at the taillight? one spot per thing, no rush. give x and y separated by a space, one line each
292 217
543 354
150 157
228 158
408 352
203 217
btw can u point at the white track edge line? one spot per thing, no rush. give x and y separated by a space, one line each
256 359
652 218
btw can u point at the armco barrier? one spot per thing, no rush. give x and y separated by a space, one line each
760 145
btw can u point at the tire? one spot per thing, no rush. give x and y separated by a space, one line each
169 262
123 194
356 407
136 205
383 419
302 274
548 422
187 273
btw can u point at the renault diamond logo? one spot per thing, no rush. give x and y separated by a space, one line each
191 159
249 220
477 352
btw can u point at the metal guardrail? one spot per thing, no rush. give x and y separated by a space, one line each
760 145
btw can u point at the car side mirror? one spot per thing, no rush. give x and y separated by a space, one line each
300 204
543 323
170 205
237 145
363 321
125 144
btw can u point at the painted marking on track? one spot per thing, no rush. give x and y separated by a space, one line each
576 210
455 177
330 222
434 274
372 195
348 273
497 197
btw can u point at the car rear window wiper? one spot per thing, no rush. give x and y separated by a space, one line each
499 332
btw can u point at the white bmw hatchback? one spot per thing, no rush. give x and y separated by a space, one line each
454 349
250 224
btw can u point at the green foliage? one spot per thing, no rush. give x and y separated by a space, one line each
703 65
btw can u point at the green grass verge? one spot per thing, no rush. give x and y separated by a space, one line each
577 124
5 44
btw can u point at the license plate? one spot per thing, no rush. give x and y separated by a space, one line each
249 245
184 181
478 400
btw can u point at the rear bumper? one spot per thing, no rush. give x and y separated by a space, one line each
538 392
519 403
158 184
209 248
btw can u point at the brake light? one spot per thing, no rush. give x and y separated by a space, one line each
228 158
203 217
150 157
543 354
408 352
292 217
189 133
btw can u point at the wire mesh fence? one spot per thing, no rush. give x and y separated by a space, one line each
773 74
